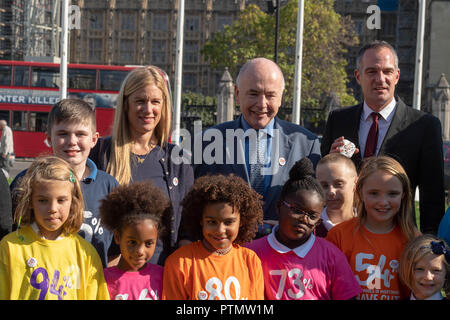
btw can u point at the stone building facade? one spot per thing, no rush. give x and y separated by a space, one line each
121 32
397 26
12 46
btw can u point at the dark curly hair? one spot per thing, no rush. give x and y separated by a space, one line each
133 202
301 177
228 189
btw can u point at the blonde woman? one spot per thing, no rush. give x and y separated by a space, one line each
139 147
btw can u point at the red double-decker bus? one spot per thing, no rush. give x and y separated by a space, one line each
29 89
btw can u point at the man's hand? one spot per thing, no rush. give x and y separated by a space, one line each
337 144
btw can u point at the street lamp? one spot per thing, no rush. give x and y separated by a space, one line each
273 5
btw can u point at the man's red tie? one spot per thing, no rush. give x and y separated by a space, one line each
372 137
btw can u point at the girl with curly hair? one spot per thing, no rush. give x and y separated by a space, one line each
224 213
297 265
136 213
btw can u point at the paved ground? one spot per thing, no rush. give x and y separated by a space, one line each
19 165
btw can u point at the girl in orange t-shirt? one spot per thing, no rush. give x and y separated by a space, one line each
224 213
374 240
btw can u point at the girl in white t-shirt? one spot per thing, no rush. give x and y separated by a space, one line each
337 175
136 213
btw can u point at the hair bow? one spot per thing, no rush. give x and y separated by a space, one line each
439 248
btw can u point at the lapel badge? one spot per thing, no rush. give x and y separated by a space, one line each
282 161
175 181
32 262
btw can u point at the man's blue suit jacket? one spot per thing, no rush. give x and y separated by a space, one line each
294 142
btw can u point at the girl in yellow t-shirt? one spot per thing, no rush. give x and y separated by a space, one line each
223 212
45 258
374 240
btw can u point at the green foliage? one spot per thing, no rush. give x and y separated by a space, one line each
207 115
325 39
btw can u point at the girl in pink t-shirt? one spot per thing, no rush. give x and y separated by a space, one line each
135 213
296 264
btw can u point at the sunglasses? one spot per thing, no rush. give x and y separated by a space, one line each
312 216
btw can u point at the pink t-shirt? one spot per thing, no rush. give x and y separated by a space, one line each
316 270
145 284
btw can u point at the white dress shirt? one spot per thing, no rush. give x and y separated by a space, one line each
383 124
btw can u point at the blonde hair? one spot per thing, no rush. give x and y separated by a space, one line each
403 218
338 158
48 168
414 251
119 164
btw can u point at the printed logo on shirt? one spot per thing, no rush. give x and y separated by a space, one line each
91 227
377 284
58 285
294 280
215 289
144 295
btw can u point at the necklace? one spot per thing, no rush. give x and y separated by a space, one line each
219 252
150 148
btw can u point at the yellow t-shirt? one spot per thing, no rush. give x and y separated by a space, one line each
374 259
193 273
32 268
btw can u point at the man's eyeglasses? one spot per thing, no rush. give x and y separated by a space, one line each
312 217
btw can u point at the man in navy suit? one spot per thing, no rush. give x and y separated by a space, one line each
258 137
410 136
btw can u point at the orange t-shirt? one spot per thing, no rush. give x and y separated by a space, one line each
193 273
374 259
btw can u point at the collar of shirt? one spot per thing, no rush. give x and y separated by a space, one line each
92 171
387 112
35 228
300 251
268 129
436 296
326 220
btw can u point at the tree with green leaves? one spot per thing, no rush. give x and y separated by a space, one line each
196 106
326 37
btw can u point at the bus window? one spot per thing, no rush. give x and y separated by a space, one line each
19 121
111 79
21 74
4 115
38 121
5 75
45 77
82 79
